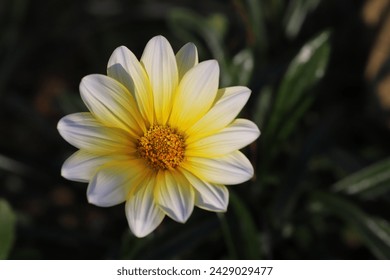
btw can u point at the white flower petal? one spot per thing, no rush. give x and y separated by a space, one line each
124 66
113 182
186 57
211 197
83 131
174 195
82 166
223 112
143 214
195 94
236 136
111 103
160 64
231 169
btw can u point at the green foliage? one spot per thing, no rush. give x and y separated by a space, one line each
374 232
209 33
370 182
296 15
252 13
293 98
192 27
7 228
250 236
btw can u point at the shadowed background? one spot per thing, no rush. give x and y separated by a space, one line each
319 74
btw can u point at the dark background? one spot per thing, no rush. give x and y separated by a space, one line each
290 210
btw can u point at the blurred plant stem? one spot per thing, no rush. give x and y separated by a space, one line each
232 252
7 228
252 15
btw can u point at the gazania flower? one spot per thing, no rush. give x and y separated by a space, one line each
159 136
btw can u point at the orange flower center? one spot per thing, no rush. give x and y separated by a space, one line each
162 147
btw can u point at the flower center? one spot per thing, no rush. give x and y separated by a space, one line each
162 147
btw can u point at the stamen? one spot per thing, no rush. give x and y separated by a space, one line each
162 147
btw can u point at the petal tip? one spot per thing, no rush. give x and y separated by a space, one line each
122 47
60 124
139 231
141 228
180 217
212 63
64 172
158 39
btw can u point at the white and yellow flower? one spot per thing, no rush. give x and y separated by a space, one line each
159 136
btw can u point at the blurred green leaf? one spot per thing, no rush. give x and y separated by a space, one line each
371 181
296 14
294 118
375 233
253 16
257 22
208 31
263 104
243 67
190 26
7 228
218 24
294 180
250 242
307 68
292 100
274 8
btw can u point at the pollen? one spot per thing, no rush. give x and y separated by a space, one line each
162 147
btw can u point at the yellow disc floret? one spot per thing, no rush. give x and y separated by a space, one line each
162 147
